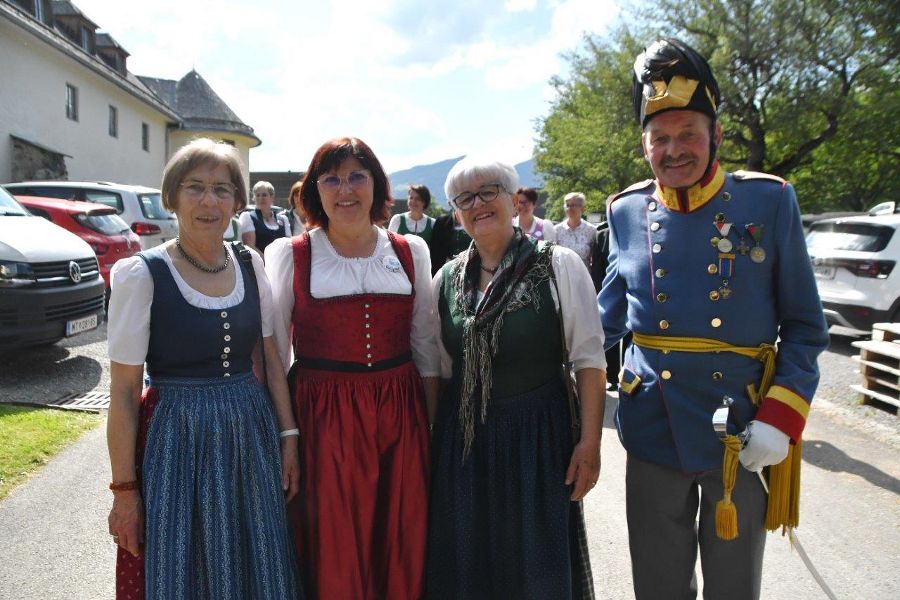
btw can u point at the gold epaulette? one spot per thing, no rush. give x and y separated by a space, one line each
631 188
755 175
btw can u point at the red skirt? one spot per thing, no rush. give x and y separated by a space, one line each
360 517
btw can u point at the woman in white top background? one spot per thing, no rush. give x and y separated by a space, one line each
262 225
532 226
415 221
295 215
575 233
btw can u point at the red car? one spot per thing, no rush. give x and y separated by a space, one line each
97 224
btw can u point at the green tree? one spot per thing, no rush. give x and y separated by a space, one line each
809 92
589 142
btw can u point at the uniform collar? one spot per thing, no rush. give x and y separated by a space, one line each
694 197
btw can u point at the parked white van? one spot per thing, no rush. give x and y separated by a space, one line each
50 283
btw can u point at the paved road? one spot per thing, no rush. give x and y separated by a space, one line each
55 546
53 543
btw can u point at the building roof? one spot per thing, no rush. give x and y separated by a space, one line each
104 40
198 105
64 8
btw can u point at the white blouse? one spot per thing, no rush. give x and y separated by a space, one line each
413 225
333 275
581 239
581 313
128 329
247 225
549 233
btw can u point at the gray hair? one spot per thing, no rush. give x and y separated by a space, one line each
264 185
198 152
574 196
471 168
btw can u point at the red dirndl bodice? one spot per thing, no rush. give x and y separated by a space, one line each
360 518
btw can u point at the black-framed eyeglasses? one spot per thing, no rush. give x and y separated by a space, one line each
332 183
487 193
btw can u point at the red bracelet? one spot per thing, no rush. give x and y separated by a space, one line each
124 486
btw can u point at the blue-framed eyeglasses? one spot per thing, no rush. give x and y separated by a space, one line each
356 179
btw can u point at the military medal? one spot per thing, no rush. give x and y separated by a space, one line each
757 254
725 245
726 265
742 247
725 291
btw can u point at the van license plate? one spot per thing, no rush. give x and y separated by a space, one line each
77 326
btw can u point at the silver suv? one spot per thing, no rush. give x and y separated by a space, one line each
855 262
141 207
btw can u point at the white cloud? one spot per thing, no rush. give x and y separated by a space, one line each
420 82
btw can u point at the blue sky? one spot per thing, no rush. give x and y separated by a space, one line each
419 81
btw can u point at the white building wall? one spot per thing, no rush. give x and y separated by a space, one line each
179 138
33 78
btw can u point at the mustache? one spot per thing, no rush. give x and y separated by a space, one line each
674 160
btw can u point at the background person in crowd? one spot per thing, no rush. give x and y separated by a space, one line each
448 238
262 225
599 262
575 233
505 517
295 216
532 226
415 221
709 270
356 300
199 470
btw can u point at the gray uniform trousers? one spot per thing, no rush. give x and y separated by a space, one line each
661 505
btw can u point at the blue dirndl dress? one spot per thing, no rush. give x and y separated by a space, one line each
215 522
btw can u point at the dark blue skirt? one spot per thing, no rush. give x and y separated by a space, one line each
215 524
501 524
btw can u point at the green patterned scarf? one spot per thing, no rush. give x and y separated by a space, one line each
524 266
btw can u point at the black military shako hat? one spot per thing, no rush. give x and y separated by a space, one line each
670 75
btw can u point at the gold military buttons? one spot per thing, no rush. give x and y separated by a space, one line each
712 269
657 248
667 374
651 207
663 324
717 376
660 273
714 295
654 226
717 322
662 297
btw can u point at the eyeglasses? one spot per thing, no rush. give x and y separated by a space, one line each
332 183
487 193
574 206
197 189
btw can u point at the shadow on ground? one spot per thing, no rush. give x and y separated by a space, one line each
831 458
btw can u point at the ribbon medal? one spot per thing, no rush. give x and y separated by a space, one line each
757 254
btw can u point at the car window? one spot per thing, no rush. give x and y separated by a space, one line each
862 237
46 192
9 206
107 224
110 199
152 206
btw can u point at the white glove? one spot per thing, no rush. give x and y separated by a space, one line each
766 446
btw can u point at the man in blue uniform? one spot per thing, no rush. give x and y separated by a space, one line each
710 271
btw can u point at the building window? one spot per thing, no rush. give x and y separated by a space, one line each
39 10
86 40
71 102
145 137
113 121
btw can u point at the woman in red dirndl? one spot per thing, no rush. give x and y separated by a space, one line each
355 301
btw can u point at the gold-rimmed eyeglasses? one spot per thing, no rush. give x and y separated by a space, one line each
196 189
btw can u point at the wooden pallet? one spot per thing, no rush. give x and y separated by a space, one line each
879 360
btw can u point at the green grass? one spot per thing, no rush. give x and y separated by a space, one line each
29 437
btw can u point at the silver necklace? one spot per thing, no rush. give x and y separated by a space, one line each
195 263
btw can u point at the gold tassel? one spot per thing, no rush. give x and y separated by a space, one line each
726 511
784 491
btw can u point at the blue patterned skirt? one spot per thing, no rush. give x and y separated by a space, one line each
215 524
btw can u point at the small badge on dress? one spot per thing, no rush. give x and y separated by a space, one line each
391 263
